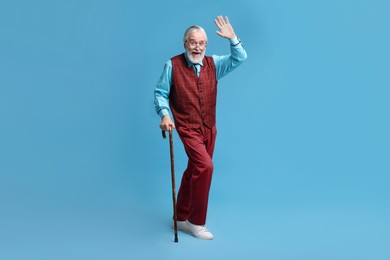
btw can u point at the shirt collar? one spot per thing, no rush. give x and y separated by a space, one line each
189 63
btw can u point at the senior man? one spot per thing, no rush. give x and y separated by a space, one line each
187 89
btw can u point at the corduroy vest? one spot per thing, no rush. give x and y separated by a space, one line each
192 99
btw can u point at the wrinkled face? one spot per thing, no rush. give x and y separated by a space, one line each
195 46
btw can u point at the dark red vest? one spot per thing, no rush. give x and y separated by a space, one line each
192 99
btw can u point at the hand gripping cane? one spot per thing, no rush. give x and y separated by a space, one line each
173 182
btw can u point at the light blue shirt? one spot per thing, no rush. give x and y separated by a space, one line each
223 65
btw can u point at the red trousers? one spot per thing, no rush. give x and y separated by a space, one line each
195 185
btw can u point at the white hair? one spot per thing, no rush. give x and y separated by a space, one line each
194 28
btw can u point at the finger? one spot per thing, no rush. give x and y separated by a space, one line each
221 20
164 127
217 23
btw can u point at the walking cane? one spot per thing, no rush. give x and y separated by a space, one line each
173 181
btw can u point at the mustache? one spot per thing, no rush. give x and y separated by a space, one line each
195 52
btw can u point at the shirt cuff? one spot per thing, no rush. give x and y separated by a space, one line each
234 41
163 112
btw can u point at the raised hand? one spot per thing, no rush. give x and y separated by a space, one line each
225 28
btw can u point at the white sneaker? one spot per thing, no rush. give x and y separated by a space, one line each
181 225
200 232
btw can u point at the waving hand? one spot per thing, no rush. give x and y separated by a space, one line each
225 28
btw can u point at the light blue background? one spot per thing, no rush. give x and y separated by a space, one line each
302 156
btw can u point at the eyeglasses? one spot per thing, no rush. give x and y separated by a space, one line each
194 43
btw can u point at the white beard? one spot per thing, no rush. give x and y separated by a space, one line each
194 60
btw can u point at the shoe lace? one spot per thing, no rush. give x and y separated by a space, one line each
203 229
